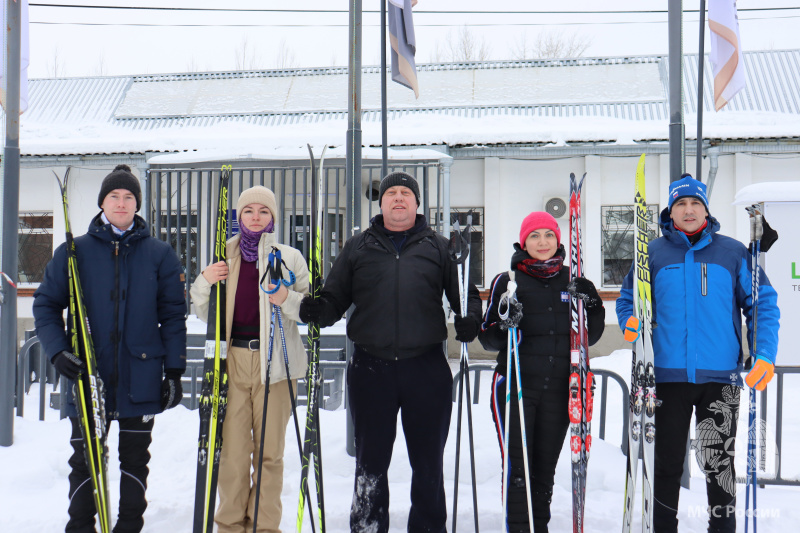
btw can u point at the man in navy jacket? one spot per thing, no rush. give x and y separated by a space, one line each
701 283
134 295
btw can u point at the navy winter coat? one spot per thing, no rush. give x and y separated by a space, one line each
132 284
699 294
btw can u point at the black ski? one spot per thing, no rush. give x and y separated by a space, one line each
214 391
87 391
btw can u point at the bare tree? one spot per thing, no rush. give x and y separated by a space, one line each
246 56
436 53
55 66
466 46
550 44
101 69
192 65
284 57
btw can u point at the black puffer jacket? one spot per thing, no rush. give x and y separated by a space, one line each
397 295
545 325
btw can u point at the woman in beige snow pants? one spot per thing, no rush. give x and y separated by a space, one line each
248 313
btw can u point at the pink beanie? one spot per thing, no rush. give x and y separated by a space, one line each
538 220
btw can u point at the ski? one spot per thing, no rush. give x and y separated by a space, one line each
214 391
581 380
311 446
642 400
87 391
459 253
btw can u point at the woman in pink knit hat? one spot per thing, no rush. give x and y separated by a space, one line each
543 289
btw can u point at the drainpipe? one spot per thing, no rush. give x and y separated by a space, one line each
713 166
446 164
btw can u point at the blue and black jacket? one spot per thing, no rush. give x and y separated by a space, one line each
699 293
134 295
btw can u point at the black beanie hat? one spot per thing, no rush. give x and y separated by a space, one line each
398 178
120 178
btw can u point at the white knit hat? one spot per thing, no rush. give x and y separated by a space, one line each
257 195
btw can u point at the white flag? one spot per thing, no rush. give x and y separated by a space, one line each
24 59
726 51
404 44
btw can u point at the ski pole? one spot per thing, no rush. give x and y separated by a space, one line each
264 421
459 253
274 272
506 310
756 232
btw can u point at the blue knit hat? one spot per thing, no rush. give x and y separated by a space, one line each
687 186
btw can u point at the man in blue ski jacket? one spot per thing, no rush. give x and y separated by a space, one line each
701 286
134 295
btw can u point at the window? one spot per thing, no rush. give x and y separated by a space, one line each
617 227
476 237
35 245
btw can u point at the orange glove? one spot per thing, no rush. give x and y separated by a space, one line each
633 327
761 374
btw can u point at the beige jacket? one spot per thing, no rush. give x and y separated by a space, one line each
298 358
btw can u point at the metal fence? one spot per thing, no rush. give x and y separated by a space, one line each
33 367
604 375
181 203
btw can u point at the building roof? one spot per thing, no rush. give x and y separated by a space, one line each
538 101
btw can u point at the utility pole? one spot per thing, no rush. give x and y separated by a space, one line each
10 221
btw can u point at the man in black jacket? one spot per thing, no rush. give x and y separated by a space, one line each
133 291
395 274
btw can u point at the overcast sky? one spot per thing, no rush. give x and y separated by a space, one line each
86 41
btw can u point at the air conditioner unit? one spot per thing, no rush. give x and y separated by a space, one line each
558 206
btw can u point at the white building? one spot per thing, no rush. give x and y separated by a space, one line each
505 135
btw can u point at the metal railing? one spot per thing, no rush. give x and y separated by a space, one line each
761 447
477 368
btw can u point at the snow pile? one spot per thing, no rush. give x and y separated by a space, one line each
34 490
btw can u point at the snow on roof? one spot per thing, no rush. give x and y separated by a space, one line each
284 153
615 100
769 191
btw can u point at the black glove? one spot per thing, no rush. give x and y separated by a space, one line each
467 328
768 237
310 310
514 315
68 365
584 289
171 389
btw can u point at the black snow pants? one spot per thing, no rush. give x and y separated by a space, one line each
420 388
134 440
546 425
716 407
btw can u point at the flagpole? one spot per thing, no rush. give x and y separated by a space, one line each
384 128
10 221
677 134
353 168
701 59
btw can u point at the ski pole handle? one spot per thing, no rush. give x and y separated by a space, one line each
756 222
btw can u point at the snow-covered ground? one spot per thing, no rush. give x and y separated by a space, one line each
33 494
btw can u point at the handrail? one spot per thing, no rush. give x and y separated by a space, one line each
479 367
